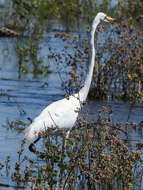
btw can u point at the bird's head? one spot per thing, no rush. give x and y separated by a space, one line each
103 17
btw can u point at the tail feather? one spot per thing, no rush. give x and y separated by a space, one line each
33 130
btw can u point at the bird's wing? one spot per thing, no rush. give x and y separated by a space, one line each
61 113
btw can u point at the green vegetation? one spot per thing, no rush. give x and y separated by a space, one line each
120 74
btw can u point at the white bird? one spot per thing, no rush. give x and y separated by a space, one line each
63 113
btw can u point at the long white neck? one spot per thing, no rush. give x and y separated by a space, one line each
85 89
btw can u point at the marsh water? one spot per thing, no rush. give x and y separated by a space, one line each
23 96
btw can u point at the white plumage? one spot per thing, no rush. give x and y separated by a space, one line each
63 113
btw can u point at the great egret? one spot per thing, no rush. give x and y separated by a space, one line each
63 113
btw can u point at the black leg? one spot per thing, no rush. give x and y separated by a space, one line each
32 147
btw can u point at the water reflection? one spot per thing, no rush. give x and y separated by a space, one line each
8 59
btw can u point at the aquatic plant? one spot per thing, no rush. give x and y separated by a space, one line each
120 74
95 157
32 27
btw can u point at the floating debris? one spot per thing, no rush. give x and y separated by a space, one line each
6 32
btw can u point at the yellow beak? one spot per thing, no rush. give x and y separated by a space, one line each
110 19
